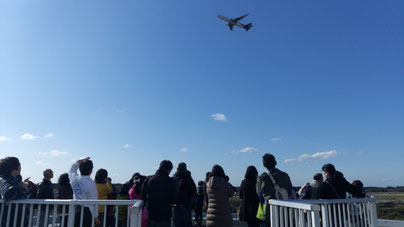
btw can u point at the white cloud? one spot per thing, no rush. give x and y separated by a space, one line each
3 138
54 153
276 139
246 150
126 146
49 135
318 155
184 149
39 163
28 136
218 117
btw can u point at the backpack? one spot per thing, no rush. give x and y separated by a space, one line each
280 193
305 191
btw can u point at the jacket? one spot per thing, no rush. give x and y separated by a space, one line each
45 190
159 192
336 187
186 188
103 191
219 212
11 189
266 190
249 206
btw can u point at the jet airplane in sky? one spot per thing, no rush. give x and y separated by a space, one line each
235 22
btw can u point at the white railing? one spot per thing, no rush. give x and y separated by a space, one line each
325 213
49 212
390 223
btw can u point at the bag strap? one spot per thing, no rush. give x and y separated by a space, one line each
333 189
272 178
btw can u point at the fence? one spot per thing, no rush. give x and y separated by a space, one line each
325 213
46 212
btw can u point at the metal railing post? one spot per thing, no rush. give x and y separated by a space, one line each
71 216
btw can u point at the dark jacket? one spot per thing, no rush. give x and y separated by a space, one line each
336 187
65 191
200 197
11 189
219 211
186 188
249 206
159 192
45 190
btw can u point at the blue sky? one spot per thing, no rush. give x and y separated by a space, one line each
131 83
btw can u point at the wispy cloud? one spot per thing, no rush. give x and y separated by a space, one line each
39 163
218 117
276 139
49 135
54 153
3 138
28 136
184 149
126 146
318 155
246 150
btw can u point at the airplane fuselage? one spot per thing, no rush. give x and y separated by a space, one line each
230 22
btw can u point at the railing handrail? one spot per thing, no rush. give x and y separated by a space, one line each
72 202
335 201
294 204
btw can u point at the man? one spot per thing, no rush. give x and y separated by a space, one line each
311 190
160 193
265 187
45 191
335 186
182 210
84 188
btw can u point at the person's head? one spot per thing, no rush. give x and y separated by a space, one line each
200 183
139 180
357 184
217 171
251 173
64 179
182 166
100 176
268 160
10 166
86 168
207 175
48 174
166 166
328 170
318 177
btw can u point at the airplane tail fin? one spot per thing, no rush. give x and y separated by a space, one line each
248 26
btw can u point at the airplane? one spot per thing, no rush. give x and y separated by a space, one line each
235 22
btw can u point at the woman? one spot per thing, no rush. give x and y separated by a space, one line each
135 194
249 206
219 191
10 187
65 189
104 187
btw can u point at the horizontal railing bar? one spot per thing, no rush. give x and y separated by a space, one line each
294 204
73 202
332 201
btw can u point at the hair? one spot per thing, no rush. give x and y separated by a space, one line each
251 173
318 176
200 183
8 164
139 183
64 179
217 171
86 167
207 175
182 166
100 176
166 165
134 176
269 161
329 168
357 184
46 172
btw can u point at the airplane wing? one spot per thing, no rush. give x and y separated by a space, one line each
235 20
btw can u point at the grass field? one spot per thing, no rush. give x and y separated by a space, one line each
390 205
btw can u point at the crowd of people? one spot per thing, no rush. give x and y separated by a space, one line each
171 200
